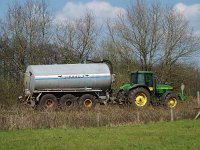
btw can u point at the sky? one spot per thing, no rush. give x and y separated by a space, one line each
109 8
62 9
103 9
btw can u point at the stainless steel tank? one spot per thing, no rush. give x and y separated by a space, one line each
94 76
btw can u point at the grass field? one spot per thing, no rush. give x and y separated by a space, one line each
164 135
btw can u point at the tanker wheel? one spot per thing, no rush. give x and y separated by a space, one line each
139 97
48 102
87 101
68 101
171 100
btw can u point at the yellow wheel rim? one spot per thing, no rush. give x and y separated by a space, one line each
172 102
140 99
88 103
49 103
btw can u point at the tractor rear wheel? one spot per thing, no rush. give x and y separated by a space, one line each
48 102
87 101
139 97
171 100
68 101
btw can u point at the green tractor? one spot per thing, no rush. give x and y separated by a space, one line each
143 90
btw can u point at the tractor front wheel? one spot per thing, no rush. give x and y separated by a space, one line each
139 97
171 100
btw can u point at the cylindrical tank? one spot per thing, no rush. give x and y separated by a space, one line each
94 76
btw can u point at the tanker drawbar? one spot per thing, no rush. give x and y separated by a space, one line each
67 85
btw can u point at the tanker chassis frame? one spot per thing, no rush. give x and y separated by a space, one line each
66 98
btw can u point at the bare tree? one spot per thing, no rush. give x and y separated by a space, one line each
65 39
78 38
156 36
27 29
178 42
138 31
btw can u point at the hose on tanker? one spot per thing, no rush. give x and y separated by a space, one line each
103 61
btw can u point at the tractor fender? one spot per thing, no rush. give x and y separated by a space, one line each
140 86
163 97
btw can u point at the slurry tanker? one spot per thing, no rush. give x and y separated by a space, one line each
84 85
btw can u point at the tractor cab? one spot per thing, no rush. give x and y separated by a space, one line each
144 78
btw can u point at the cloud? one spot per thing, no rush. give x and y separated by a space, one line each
101 9
191 13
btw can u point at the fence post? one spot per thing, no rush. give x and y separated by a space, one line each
98 119
198 99
172 114
138 117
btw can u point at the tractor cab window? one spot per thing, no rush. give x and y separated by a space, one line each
149 79
142 78
137 78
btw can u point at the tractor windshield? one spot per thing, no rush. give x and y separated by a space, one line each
142 78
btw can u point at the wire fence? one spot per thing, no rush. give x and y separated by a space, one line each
21 117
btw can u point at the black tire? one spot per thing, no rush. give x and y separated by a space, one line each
139 97
171 100
87 101
121 96
68 101
122 100
48 102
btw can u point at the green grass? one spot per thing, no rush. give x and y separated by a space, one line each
164 135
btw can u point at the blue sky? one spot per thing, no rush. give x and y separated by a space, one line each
107 8
103 9
57 5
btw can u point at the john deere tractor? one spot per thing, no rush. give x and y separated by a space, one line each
143 90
